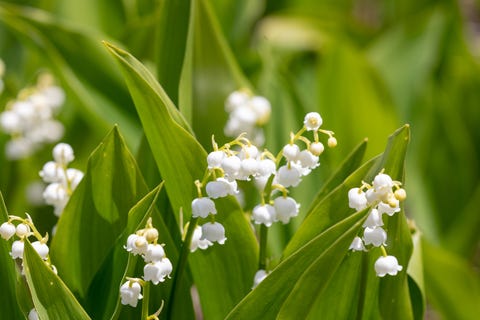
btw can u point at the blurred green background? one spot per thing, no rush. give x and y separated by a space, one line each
367 66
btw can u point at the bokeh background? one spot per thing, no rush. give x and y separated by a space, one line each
368 66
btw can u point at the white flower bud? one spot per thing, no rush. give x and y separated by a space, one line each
285 208
307 159
157 271
245 115
288 177
248 151
312 121
264 214
41 248
266 168
22 230
17 249
154 253
376 236
262 108
388 264
249 167
202 207
136 244
63 154
235 99
74 177
357 199
332 142
260 275
19 148
316 148
357 245
130 293
213 232
290 152
371 196
214 159
10 122
196 242
231 166
7 230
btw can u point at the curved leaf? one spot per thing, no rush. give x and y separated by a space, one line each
51 297
181 160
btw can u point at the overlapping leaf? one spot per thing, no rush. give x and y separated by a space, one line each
51 297
181 160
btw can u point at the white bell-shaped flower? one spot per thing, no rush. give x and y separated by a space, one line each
136 244
56 194
130 293
74 177
22 230
290 152
264 214
19 148
10 122
7 230
235 99
63 153
266 168
307 159
157 271
385 208
154 253
382 184
371 196
51 172
17 249
288 176
312 121
196 242
357 199
376 236
213 232
357 245
221 188
374 219
285 208
202 207
249 168
33 315
41 248
262 108
214 159
248 151
387 265
231 166
260 275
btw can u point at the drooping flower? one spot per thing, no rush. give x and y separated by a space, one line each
288 176
357 245
63 154
202 207
17 249
357 199
33 315
264 214
196 242
130 293
285 208
136 244
260 275
157 271
154 253
41 248
376 236
374 219
7 230
213 232
387 265
221 188
312 121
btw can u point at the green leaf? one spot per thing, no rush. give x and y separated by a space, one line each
452 286
51 297
97 212
274 296
181 160
8 274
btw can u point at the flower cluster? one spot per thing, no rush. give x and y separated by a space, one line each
383 196
247 113
241 160
23 230
157 267
61 180
29 119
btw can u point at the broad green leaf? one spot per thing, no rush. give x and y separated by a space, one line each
8 274
351 162
97 213
51 297
210 73
320 257
98 87
452 286
181 160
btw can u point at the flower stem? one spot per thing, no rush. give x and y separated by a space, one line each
146 298
182 264
262 259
